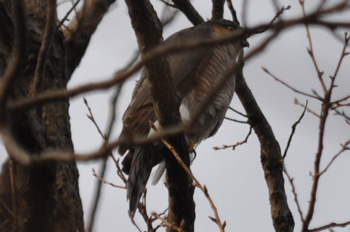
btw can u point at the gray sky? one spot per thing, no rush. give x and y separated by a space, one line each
235 179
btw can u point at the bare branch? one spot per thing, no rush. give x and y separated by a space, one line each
191 13
280 12
217 11
271 158
330 226
291 181
290 87
310 50
237 112
237 144
74 6
296 101
106 182
344 148
293 131
233 11
343 54
325 109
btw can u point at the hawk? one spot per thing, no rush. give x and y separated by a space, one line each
194 72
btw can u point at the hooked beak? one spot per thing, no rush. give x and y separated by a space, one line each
244 43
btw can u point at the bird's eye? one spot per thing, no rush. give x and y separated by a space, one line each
230 28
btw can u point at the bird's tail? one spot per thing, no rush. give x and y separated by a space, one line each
144 159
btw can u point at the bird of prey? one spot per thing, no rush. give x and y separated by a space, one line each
194 73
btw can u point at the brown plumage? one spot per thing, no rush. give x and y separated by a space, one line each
194 73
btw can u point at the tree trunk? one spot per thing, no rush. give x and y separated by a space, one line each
45 196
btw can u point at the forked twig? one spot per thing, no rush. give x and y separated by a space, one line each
106 182
238 143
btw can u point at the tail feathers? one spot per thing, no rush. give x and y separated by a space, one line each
159 173
144 159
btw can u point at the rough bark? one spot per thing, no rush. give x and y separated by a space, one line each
42 197
218 9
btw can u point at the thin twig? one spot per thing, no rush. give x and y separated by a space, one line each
310 50
293 131
277 15
119 170
237 144
330 226
106 182
92 119
291 181
343 54
105 137
237 112
235 120
288 86
337 102
67 14
296 101
344 148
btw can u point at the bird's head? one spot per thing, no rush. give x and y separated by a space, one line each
224 27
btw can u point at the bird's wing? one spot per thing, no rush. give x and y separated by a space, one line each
184 66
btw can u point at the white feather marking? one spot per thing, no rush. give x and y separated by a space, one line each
185 114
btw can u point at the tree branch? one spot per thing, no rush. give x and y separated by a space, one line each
217 11
270 158
191 13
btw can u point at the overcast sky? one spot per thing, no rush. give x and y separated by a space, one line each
235 179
